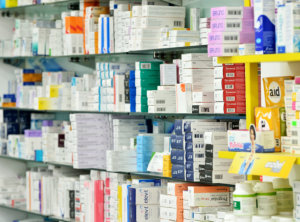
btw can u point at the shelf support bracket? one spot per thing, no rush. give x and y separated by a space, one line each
251 75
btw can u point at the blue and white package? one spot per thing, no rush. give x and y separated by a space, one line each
173 141
178 171
177 156
194 137
190 156
192 176
264 24
280 11
180 142
194 147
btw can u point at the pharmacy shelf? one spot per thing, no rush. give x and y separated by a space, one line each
173 50
286 57
63 3
134 174
35 162
179 115
23 210
231 155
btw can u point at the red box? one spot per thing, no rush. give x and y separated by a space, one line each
233 72
239 66
234 96
237 108
233 84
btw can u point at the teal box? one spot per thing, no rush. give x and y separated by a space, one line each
147 74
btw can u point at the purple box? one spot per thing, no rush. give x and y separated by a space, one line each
231 37
232 25
47 122
232 12
33 133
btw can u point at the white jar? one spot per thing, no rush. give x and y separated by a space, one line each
257 218
252 182
244 200
266 199
243 219
286 219
284 194
229 217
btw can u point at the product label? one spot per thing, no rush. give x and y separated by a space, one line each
244 204
284 199
267 203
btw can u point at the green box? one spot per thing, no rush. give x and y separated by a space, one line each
147 74
147 82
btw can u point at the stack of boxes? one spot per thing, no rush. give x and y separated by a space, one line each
171 205
230 27
229 85
197 70
73 38
188 148
124 133
215 170
149 19
91 136
122 27
163 99
147 77
204 30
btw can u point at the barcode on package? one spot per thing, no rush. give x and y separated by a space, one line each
146 66
230 110
161 109
230 74
231 38
229 86
73 49
177 23
218 176
234 12
204 110
230 98
231 50
294 133
294 142
233 25
160 101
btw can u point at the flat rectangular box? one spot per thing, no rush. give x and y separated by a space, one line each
231 37
203 97
195 57
156 22
208 196
163 11
235 107
223 50
175 202
232 12
191 72
239 141
231 25
147 195
229 72
147 213
177 188
148 65
197 64
215 138
162 109
230 96
201 108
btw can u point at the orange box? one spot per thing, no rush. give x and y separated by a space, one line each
8 104
74 25
176 189
32 77
209 189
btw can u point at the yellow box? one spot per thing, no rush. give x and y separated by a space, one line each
44 103
119 203
54 91
11 3
167 173
269 119
274 91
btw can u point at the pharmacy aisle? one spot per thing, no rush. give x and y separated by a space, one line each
151 110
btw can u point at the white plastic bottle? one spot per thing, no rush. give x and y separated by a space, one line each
266 199
284 194
257 218
244 200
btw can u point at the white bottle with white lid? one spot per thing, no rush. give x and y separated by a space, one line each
257 218
244 200
284 193
266 199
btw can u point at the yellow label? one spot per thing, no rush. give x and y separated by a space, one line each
274 91
268 119
262 164
44 103
119 203
54 91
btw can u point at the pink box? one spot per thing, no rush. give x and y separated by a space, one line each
232 12
231 37
223 50
297 79
232 25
